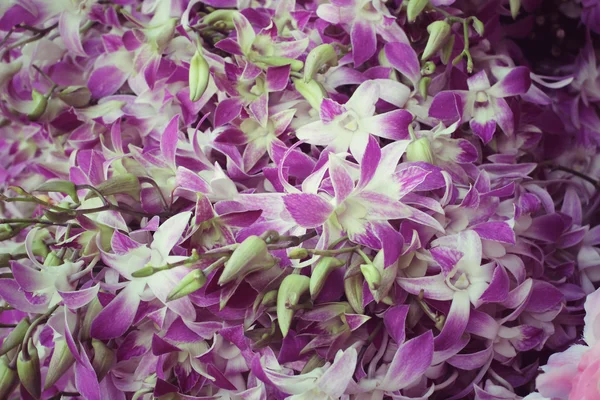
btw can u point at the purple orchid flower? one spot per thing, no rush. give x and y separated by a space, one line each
483 105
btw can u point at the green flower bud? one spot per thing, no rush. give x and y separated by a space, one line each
372 275
446 52
291 289
76 96
419 150
189 284
439 31
15 337
199 76
58 217
424 87
66 187
53 260
119 184
104 359
145 272
320 56
28 369
414 8
40 103
297 253
515 6
270 61
222 16
314 362
478 26
250 256
320 273
8 378
62 359
312 91
428 68
353 288
93 310
270 298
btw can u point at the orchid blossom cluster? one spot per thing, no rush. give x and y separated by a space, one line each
289 199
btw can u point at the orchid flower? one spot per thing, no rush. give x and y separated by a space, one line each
483 105
350 125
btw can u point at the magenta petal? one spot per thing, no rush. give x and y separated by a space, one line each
434 287
497 231
514 83
330 109
369 162
446 257
409 178
278 77
106 80
11 292
227 110
68 25
259 108
308 210
342 182
392 125
28 278
411 360
497 291
456 322
364 41
403 58
161 346
114 320
335 380
447 106
86 380
79 298
395 320
169 139
191 181
484 130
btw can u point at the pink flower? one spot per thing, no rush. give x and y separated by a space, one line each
574 374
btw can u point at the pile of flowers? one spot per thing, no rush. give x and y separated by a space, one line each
299 199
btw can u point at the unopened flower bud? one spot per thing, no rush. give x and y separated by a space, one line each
321 272
199 76
419 150
60 186
251 255
291 289
15 337
270 298
53 260
119 184
414 8
297 253
8 378
104 359
144 272
189 284
312 91
76 96
93 310
320 56
446 52
372 275
428 68
221 16
272 61
439 31
62 359
478 26
515 6
39 102
28 369
353 288
424 87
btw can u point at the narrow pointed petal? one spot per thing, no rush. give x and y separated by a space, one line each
411 360
308 210
392 125
364 41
